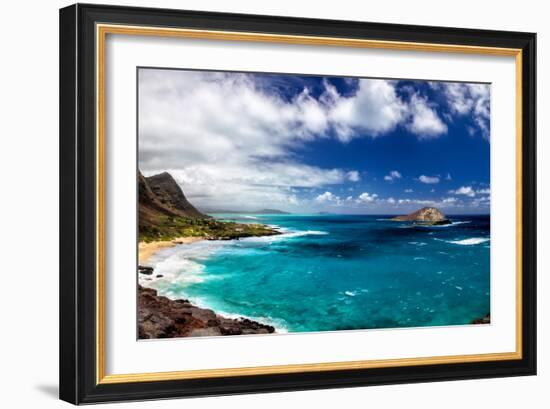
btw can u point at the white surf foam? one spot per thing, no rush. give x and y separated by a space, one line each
470 242
174 269
418 243
279 324
286 234
444 226
180 265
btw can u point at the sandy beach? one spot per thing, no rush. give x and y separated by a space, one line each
146 250
162 317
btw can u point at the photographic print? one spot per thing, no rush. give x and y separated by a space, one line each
284 203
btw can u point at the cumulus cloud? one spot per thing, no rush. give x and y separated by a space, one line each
353 176
428 179
482 201
464 190
469 99
425 121
228 136
224 138
374 109
394 174
327 197
366 197
447 202
409 190
485 191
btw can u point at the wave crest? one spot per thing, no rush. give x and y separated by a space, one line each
470 242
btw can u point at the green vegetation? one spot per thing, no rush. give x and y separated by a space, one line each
169 228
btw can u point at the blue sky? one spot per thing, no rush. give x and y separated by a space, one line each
310 143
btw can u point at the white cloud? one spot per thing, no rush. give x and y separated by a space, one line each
223 138
485 191
229 141
391 200
366 197
392 176
448 177
464 190
428 179
353 176
424 119
469 99
374 109
481 201
409 190
293 199
448 202
327 197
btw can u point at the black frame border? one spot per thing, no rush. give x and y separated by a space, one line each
78 197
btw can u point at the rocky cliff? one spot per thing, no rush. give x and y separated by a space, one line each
426 215
482 320
161 196
171 196
161 317
166 214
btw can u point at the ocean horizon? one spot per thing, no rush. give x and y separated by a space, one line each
330 272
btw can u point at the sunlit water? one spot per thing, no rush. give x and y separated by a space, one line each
335 272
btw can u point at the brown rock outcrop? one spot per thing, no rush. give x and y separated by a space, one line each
161 317
426 215
483 320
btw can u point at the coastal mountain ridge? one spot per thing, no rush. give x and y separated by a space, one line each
160 196
166 214
426 215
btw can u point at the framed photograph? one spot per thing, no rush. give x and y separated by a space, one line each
257 203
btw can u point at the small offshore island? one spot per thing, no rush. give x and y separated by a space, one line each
166 219
429 216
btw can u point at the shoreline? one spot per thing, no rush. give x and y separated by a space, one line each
163 317
147 249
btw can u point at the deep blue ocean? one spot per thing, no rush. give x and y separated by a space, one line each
337 272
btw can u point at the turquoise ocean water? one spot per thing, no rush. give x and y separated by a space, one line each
337 272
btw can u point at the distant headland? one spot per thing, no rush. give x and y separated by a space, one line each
233 211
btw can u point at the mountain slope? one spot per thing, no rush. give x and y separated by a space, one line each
165 214
161 196
171 196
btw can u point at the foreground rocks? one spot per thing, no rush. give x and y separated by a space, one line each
161 317
483 320
145 270
427 216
